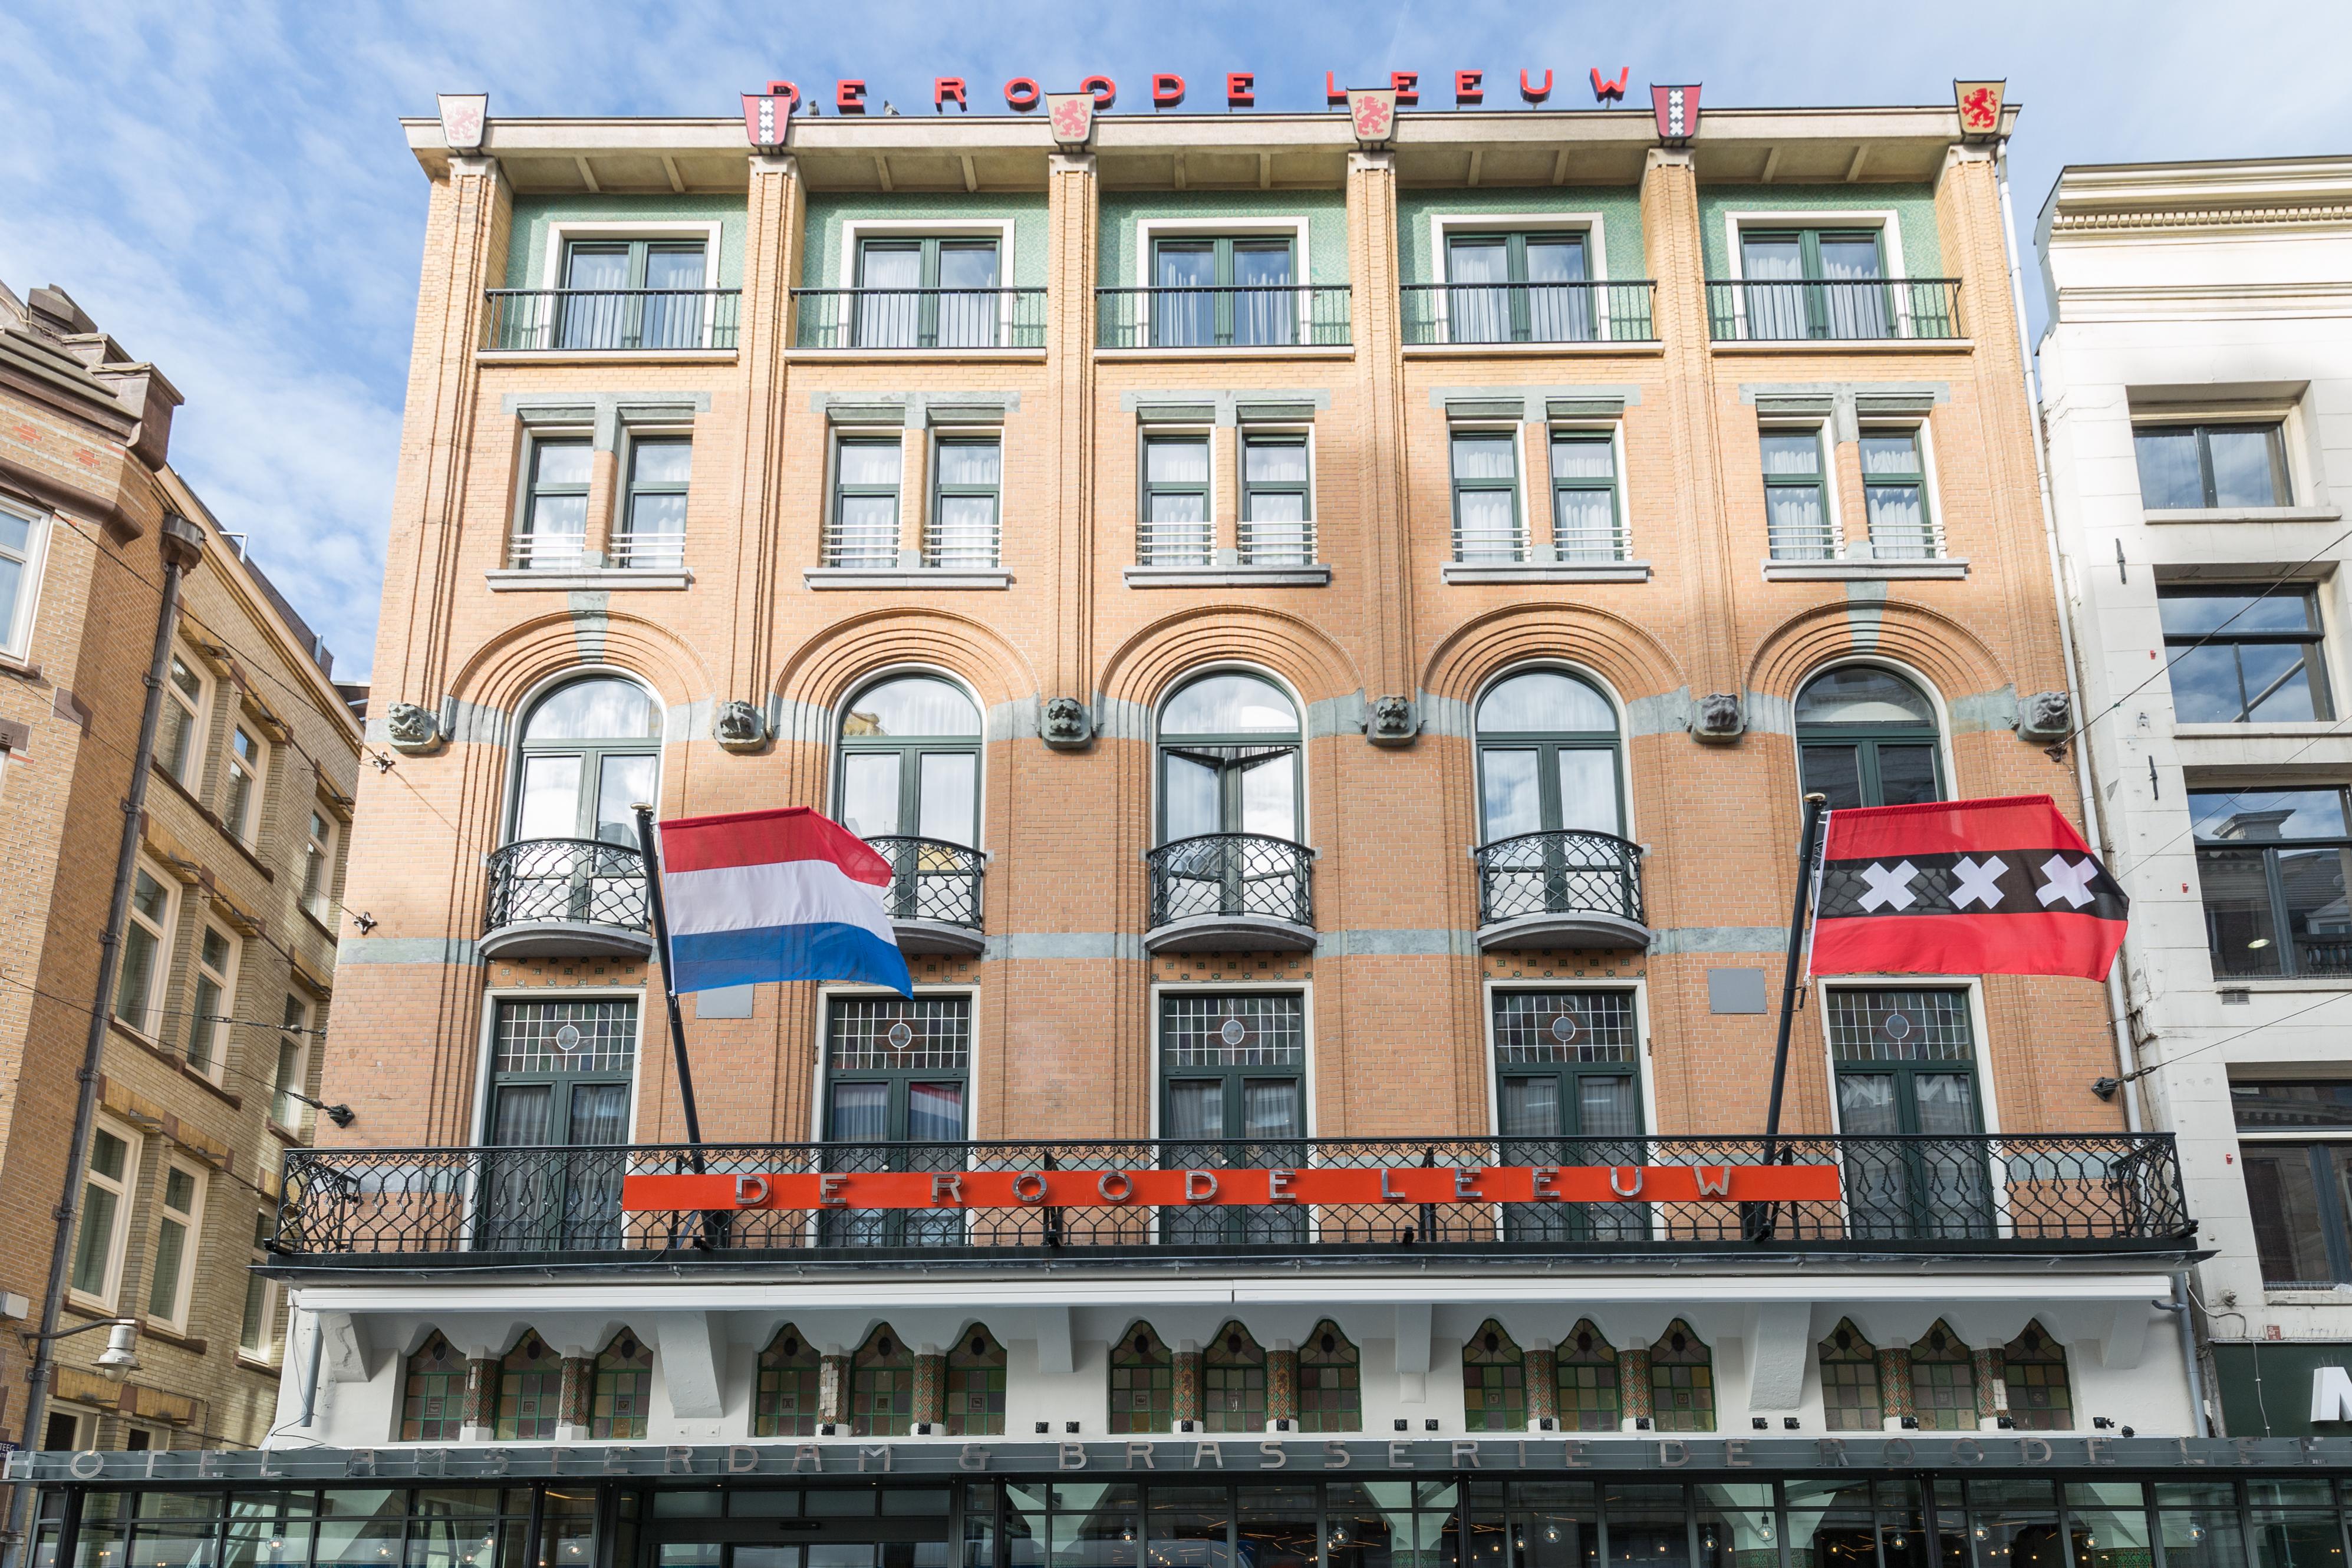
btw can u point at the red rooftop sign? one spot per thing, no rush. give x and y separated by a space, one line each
1021 93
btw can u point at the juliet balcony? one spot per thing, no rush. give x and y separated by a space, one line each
1843 310
1505 314
566 897
2075 1196
610 320
919 321
1231 892
1561 889
1255 317
934 897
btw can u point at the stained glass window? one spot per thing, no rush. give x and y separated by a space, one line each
1585 1371
1494 1381
624 1386
1682 1381
1232 1383
882 1386
975 1391
530 1391
1142 1382
788 1382
1850 1396
1943 1383
433 1401
1330 1393
2040 1398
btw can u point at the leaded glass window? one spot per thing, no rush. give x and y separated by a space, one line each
1142 1382
2040 1396
1943 1383
975 1391
887 1034
625 1386
1682 1381
1494 1381
1850 1395
1330 1392
1235 1030
1585 1373
1233 1382
882 1386
530 1390
786 1406
432 1396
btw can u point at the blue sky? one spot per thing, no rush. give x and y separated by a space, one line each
223 187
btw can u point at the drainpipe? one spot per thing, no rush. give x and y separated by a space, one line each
2178 1306
182 544
2119 1003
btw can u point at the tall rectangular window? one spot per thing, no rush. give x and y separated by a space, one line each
2271 866
256 1334
1894 494
1587 515
1176 528
652 516
1906 1064
146 944
22 538
177 1228
1796 496
215 997
241 806
105 1214
633 294
2296 1143
967 502
1277 521
555 507
2190 466
2243 654
1223 293
897 1073
293 1064
921 293
864 530
1489 525
1517 288
319 867
180 736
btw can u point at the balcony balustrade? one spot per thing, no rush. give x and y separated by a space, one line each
566 897
1231 892
610 320
1561 888
934 897
1238 316
1844 310
918 319
1483 313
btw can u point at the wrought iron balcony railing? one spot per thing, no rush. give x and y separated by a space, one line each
1559 873
1470 313
932 879
592 320
1916 1195
918 318
1844 310
567 881
1240 316
1232 874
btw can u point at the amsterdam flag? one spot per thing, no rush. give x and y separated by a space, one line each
1966 887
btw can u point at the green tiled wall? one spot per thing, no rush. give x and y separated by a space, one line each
821 261
526 255
1923 255
1326 213
1620 211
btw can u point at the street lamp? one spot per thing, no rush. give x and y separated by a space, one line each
119 1359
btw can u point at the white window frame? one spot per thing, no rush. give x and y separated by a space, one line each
263 1354
1000 231
321 851
19 642
626 457
85 1424
820 1076
1148 229
293 1031
1242 432
149 1024
215 1066
562 232
1615 430
1644 1072
184 1287
1886 220
1824 434
117 1242
257 771
199 718
1596 258
485 1049
1305 989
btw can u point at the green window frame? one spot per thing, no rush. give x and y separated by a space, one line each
787 1396
623 1391
2177 463
1584 1374
555 504
1234 758
1798 524
1810 241
1178 538
1557 753
1489 444
977 463
1812 303
946 307
1889 751
882 1386
2034 1369
871 541
530 1392
1682 1381
1330 1381
1142 1382
898 1096
1943 1381
1903 1075
1494 1381
657 300
652 507
1229 311
563 1073
1576 479
608 774
433 1393
1851 1400
1900 513
1271 539
1518 308
931 779
975 1397
1233 1382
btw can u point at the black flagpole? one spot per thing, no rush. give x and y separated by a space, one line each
1761 1228
669 986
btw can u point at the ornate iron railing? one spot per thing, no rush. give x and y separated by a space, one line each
574 881
918 318
1849 310
2052 1193
1239 316
1559 873
1232 874
605 320
932 879
1590 312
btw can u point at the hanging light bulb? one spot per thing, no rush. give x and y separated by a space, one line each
1982 1533
1552 1534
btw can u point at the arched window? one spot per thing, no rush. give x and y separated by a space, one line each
625 1386
1494 1381
975 1402
530 1391
1943 1383
882 1386
433 1393
1330 1388
1868 737
588 751
910 760
1682 1381
1232 1383
1546 757
2040 1398
1142 1382
788 1384
1229 759
1850 1396
1585 1373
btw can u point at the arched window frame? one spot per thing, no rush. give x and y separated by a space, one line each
1233 1380
1331 1381
1168 746
1852 1400
1943 1381
1868 739
974 1396
622 1396
1494 1381
910 751
1584 1374
1547 744
530 1391
882 1386
593 750
2040 1384
433 1393
1142 1382
1682 1381
786 1402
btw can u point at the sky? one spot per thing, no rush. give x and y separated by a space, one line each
223 187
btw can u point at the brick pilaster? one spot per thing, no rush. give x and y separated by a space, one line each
930 1387
481 1398
776 213
575 1406
1074 220
1373 314
833 1387
1991 1369
1282 1384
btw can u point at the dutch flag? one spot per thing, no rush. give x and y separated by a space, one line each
758 896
